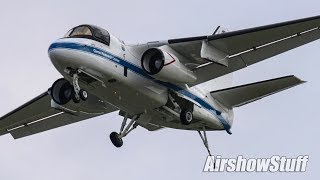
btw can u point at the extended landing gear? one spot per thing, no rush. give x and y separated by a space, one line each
186 116
183 106
62 91
83 94
204 139
116 138
79 94
205 142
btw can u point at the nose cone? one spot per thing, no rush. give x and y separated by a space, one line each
52 46
52 50
58 56
68 53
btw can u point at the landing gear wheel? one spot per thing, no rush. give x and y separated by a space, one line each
61 91
83 94
186 116
116 139
75 100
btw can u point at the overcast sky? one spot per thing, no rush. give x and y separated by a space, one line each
285 124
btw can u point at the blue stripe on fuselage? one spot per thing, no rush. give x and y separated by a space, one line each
136 69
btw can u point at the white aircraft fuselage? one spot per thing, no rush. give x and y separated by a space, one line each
157 84
127 86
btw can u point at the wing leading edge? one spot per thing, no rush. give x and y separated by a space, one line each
245 47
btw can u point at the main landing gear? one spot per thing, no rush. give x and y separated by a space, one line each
186 116
177 104
116 138
62 91
183 106
204 139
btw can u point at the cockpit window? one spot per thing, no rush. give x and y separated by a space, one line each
81 31
101 34
68 33
90 32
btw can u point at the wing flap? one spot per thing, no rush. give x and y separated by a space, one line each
56 120
34 109
267 51
38 115
30 109
241 95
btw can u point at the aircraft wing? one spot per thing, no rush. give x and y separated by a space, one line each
244 94
38 115
216 55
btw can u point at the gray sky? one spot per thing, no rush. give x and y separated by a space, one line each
284 124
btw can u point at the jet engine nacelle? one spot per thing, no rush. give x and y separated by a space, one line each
165 66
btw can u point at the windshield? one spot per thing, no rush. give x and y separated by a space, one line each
81 30
90 32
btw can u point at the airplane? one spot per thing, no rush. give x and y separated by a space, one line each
158 84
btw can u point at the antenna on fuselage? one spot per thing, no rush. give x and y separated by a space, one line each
215 31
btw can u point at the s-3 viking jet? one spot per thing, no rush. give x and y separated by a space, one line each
156 84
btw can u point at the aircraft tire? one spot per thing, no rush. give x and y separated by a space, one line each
186 116
83 94
61 91
116 139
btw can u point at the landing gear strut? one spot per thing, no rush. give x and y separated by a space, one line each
116 138
204 139
205 142
79 94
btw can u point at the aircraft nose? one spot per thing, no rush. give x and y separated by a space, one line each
51 49
64 53
58 56
52 46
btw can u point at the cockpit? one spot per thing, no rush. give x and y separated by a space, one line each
90 32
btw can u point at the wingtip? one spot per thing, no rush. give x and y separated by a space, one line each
300 80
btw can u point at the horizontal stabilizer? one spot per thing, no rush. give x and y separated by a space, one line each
241 95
